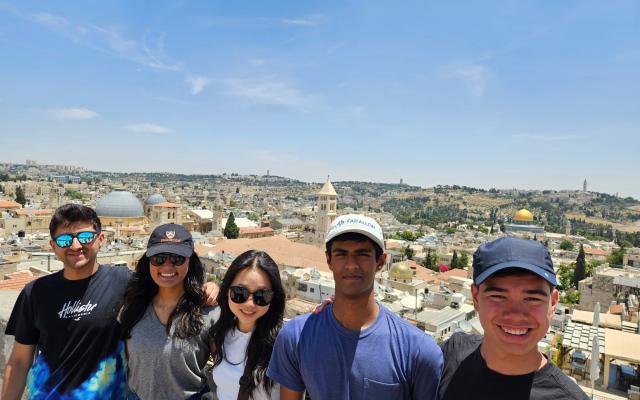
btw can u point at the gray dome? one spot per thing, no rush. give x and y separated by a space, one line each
155 199
119 204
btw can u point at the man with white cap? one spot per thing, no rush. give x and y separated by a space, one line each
355 348
514 294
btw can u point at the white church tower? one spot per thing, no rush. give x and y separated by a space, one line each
326 210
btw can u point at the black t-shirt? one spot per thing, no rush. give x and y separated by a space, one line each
466 376
73 324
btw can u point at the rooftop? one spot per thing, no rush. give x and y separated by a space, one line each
281 249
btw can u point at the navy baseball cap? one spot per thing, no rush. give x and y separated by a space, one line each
511 252
170 238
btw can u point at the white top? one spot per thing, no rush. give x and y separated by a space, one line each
226 375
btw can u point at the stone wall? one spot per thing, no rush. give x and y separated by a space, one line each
599 288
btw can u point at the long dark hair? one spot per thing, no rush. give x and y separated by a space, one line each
267 327
141 290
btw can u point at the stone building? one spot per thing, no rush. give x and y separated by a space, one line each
608 285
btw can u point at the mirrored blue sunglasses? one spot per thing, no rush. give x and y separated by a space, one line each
66 239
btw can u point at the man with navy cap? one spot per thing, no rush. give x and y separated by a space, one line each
515 296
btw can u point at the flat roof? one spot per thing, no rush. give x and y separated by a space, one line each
622 345
606 320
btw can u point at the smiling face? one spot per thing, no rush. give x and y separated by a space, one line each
248 312
354 267
79 259
167 275
515 311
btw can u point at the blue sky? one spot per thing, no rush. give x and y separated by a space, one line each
526 94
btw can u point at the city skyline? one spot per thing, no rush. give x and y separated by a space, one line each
527 95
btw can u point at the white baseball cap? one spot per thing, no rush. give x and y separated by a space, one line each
356 223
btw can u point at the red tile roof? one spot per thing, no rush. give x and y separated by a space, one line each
595 252
281 249
17 280
460 273
9 204
247 231
616 309
25 211
166 204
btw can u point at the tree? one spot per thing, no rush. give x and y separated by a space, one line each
571 296
463 261
454 260
616 256
408 252
581 267
565 276
20 196
408 235
566 245
231 230
431 260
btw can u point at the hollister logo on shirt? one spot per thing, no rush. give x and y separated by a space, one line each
75 310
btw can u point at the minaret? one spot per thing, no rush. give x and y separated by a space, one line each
326 210
584 185
216 221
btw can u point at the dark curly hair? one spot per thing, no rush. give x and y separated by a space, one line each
267 327
67 214
141 289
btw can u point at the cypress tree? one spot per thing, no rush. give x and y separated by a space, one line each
231 230
454 260
580 271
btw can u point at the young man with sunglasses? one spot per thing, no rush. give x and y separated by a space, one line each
515 296
68 320
355 348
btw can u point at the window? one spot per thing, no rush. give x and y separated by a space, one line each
312 290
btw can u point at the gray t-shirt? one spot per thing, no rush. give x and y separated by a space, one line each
162 366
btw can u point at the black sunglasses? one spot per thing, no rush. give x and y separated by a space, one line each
66 239
240 294
159 259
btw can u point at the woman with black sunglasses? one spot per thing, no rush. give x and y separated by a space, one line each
165 321
251 301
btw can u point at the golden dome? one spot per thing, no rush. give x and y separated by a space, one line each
401 271
523 216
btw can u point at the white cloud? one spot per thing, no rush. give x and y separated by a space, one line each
73 114
196 83
111 40
314 20
268 91
476 77
147 128
60 25
257 61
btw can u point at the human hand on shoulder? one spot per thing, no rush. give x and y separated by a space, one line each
211 291
319 307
